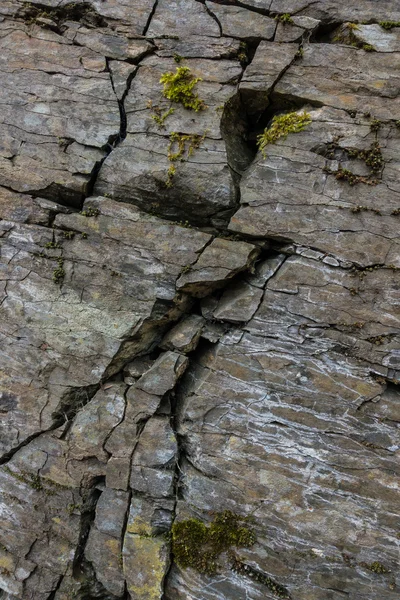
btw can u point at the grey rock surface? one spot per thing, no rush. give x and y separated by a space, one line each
220 336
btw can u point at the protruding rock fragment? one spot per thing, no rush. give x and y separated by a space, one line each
185 336
220 261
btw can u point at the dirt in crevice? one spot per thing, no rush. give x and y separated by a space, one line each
82 12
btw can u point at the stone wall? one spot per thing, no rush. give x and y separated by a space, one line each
194 331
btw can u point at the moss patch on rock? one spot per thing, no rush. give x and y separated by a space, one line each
281 126
198 546
179 87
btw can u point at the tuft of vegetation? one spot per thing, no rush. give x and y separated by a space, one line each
281 126
159 117
184 145
243 54
169 182
375 567
53 245
59 272
187 143
198 546
179 87
285 19
372 157
90 212
375 125
388 25
69 235
348 35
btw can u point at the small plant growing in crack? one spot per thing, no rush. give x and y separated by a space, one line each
372 157
59 272
199 546
159 117
285 19
243 54
184 146
179 87
238 566
53 245
375 567
389 25
347 35
90 212
281 126
69 235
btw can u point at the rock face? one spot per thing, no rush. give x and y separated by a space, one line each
195 332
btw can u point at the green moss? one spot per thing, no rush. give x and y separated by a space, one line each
348 35
388 25
170 177
34 481
53 245
375 567
159 117
69 235
179 86
90 212
181 146
285 18
375 124
59 272
178 58
352 178
198 546
361 208
281 126
84 235
185 144
372 157
243 56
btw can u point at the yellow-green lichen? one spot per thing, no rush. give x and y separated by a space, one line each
179 87
281 126
198 546
148 557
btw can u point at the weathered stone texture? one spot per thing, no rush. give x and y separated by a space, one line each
225 337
